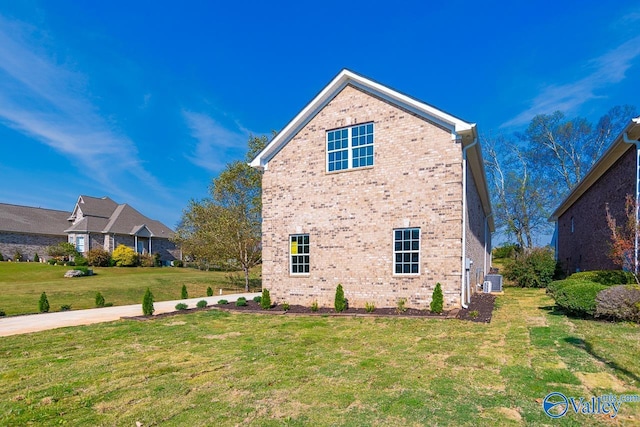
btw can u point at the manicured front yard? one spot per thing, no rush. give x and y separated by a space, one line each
22 283
214 368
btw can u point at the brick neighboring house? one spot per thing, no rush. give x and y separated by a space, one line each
30 230
582 236
103 223
378 191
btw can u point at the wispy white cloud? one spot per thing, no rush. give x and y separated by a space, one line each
48 101
215 144
603 71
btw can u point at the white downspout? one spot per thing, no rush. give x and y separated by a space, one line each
625 137
464 297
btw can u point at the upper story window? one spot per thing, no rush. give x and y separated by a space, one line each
350 148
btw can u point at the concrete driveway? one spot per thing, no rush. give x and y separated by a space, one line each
15 325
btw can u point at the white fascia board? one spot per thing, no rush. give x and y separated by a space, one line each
344 78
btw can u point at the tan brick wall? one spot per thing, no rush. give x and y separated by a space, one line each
27 244
350 216
475 240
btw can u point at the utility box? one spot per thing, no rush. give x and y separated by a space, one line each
496 283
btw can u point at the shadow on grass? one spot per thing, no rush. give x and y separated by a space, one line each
586 346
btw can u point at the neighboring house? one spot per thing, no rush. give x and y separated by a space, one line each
582 236
377 191
29 231
102 223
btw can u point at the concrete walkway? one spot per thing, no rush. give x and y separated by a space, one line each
15 325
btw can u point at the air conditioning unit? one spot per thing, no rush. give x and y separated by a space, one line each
486 287
495 281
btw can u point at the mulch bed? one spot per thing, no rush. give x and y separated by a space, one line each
480 303
480 310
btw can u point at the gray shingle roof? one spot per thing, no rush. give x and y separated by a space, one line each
26 219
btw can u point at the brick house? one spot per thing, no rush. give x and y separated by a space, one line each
378 191
103 223
582 237
28 230
93 223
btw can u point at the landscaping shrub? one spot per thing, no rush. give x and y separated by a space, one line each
65 307
1 257
80 260
401 305
124 256
17 256
579 298
184 294
556 285
532 269
98 257
505 251
314 306
178 263
85 270
285 306
99 300
620 302
147 260
209 291
43 304
201 304
2 313
223 301
265 300
181 306
369 307
257 299
147 303
437 300
36 258
241 302
340 303
52 261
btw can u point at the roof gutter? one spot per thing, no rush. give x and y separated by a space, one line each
465 288
625 138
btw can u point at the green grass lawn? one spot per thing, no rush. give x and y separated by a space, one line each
215 368
22 283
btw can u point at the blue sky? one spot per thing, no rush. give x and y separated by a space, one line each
146 101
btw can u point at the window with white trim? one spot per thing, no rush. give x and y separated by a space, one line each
350 148
406 251
80 244
299 254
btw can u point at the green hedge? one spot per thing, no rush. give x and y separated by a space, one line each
579 298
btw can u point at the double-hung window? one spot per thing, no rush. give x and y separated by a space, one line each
406 251
80 244
299 254
350 148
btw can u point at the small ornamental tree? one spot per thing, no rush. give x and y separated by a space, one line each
43 304
184 294
265 301
623 237
36 258
147 303
124 256
437 300
340 304
209 291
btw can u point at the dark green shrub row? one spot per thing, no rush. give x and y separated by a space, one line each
579 299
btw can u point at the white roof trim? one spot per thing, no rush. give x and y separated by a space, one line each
344 78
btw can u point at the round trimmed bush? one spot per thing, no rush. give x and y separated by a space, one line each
201 304
241 302
181 306
620 302
579 299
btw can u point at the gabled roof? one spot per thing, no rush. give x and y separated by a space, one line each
460 129
26 219
103 215
347 77
615 151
